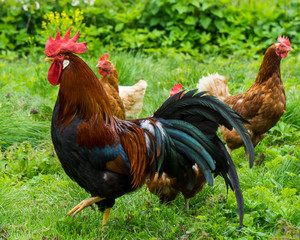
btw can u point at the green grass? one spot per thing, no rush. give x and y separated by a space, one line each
36 194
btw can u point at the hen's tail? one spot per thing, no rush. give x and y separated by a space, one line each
140 86
216 85
190 121
133 97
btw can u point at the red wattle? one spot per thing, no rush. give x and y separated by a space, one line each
54 73
283 55
102 73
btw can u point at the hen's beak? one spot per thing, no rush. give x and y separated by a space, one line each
98 66
48 59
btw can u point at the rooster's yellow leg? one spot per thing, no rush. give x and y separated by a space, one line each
105 217
85 203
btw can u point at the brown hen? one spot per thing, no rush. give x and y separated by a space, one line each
264 102
167 188
110 81
128 99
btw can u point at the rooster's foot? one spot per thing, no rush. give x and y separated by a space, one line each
85 203
105 218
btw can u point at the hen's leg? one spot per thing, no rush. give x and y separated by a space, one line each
187 204
105 218
228 150
85 203
246 153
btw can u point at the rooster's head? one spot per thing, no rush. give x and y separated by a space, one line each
58 51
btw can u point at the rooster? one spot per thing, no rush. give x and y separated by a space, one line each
262 104
109 157
131 96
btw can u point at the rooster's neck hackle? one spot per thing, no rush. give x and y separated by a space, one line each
81 94
269 66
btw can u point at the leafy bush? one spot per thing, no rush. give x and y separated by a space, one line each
164 26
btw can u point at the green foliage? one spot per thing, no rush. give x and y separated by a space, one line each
166 27
22 162
16 124
26 102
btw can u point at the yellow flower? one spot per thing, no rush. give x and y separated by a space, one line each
50 16
63 21
64 15
44 24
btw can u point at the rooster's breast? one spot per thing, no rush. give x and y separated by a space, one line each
83 165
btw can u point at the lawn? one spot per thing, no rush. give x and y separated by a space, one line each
36 194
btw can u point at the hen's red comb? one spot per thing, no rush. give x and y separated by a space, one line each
284 40
103 59
176 89
54 46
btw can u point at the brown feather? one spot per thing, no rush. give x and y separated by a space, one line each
117 166
112 77
110 84
164 187
88 98
134 143
199 184
167 188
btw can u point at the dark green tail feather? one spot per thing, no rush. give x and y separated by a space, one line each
234 183
200 110
236 122
219 112
183 149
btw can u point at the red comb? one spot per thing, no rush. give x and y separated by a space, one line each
284 40
176 89
103 59
54 46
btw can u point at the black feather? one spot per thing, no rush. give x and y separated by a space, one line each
198 116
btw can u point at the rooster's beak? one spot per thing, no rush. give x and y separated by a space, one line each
98 66
290 49
47 59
